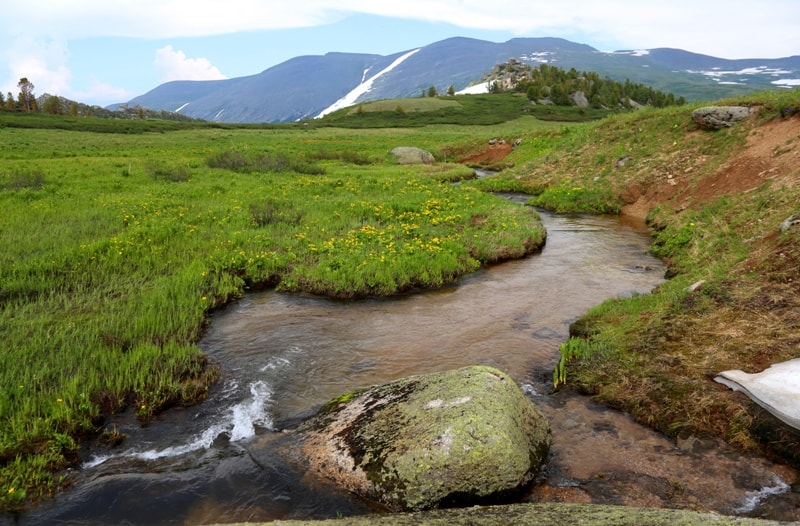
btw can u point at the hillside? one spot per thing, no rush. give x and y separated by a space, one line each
306 87
716 202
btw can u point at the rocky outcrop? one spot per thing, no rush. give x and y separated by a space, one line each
412 155
789 222
440 439
718 117
579 99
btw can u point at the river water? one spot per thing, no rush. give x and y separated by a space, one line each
282 355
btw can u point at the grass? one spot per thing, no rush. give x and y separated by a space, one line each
655 356
117 239
114 247
464 110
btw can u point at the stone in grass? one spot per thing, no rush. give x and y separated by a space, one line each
429 441
718 117
412 155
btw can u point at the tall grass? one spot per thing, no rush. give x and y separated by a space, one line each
731 301
114 248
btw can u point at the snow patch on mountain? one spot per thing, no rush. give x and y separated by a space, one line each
542 57
631 52
364 87
476 89
740 76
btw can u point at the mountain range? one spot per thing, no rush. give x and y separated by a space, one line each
309 86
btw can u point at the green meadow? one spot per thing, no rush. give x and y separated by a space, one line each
118 238
117 242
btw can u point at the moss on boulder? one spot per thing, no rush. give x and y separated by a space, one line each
427 441
412 155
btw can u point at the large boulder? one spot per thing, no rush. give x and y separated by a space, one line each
412 155
579 99
718 117
429 441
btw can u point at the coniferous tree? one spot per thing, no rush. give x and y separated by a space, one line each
559 85
52 106
26 99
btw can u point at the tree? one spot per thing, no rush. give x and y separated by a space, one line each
451 90
26 99
10 104
432 91
559 95
73 108
52 106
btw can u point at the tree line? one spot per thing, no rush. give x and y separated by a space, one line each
27 102
558 86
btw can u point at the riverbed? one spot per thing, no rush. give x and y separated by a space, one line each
282 355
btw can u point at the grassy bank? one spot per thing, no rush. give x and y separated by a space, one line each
716 201
115 246
116 243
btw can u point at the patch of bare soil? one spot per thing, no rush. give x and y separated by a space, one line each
748 320
772 152
492 154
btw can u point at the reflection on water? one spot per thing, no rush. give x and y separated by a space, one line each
282 355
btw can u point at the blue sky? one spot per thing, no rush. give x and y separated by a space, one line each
107 51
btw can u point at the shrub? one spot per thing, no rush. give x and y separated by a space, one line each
237 161
21 179
270 212
168 173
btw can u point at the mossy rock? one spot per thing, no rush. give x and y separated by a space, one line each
412 155
441 439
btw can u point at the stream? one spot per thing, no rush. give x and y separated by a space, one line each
282 355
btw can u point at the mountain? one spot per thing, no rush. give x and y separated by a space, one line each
308 86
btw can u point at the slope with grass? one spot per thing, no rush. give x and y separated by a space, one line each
716 201
115 244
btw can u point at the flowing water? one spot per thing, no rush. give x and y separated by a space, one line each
282 355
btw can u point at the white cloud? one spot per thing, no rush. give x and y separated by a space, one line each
101 93
41 61
726 28
44 62
175 65
34 35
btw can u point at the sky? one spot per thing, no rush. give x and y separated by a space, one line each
109 51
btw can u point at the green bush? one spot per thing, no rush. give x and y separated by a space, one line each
23 179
